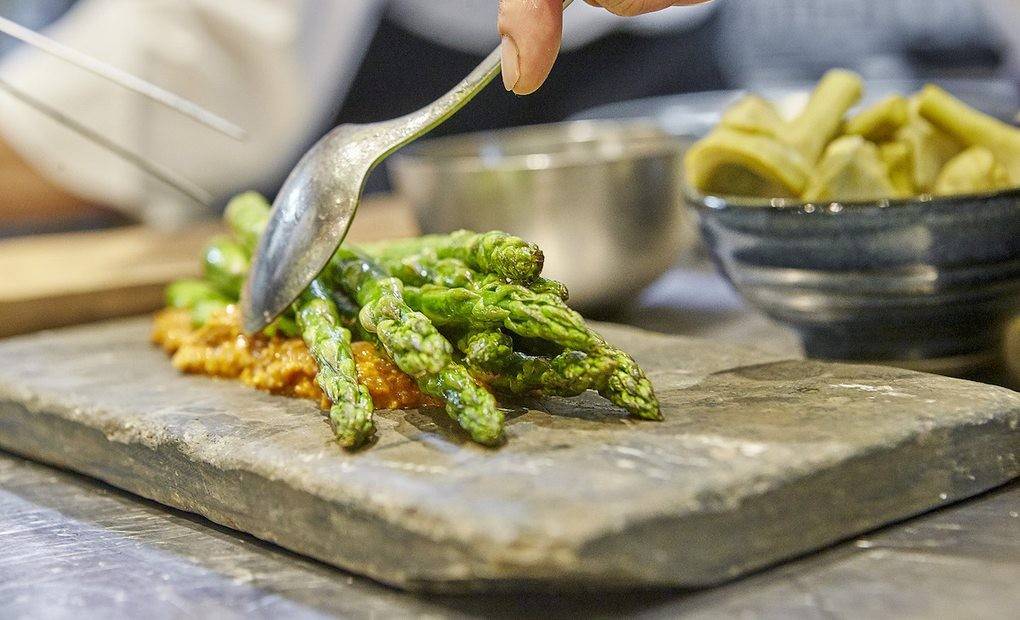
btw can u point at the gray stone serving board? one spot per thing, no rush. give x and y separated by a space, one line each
759 459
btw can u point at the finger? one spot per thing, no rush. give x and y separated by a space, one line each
639 7
532 31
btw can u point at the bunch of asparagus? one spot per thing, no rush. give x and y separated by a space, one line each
930 143
459 313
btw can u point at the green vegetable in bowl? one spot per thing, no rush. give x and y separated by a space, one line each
851 169
752 114
822 117
930 147
897 148
881 121
972 128
898 160
972 172
737 163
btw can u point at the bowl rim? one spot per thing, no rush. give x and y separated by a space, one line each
712 202
651 141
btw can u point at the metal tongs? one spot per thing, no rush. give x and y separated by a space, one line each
313 211
130 82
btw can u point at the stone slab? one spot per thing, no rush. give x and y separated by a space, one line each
760 459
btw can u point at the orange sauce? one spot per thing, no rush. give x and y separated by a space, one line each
275 364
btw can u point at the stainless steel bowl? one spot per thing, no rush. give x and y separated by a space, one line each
602 199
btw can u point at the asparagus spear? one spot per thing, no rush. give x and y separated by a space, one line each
427 268
628 387
490 356
247 215
188 293
199 297
416 346
543 316
492 252
329 343
972 128
493 303
225 266
383 312
545 286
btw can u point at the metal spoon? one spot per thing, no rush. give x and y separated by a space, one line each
315 207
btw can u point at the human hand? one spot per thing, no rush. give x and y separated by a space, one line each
532 31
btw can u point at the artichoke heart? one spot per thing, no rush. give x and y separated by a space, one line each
930 147
973 171
881 121
752 114
899 163
851 169
972 128
736 163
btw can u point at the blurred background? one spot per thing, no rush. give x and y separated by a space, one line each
288 70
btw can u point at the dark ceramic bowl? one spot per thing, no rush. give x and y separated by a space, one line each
893 281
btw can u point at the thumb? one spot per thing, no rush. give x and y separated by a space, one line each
531 31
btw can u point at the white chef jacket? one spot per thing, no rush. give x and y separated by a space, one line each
278 68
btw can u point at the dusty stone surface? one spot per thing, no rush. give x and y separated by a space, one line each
759 459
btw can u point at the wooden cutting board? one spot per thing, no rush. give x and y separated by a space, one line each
758 459
68 279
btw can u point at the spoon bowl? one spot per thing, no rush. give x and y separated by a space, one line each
314 209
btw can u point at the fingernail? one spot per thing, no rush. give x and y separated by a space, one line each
510 61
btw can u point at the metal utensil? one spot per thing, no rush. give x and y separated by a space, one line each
601 198
122 78
133 83
315 207
156 170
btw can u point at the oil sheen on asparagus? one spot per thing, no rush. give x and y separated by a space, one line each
465 317
927 144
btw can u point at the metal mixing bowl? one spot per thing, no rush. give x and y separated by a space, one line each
602 199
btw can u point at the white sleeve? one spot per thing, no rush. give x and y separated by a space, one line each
1004 14
278 68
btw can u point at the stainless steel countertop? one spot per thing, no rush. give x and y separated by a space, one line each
72 547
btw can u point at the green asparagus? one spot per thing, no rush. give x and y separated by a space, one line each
494 303
492 252
247 216
330 344
225 265
186 294
199 297
407 297
415 345
490 356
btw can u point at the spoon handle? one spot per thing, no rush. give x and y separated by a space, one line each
420 122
